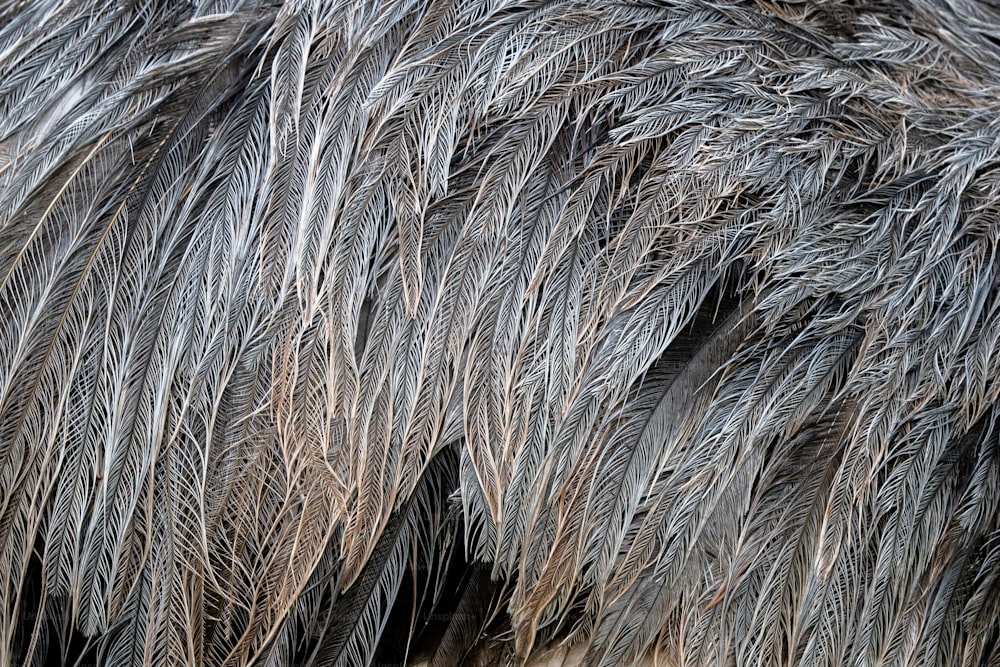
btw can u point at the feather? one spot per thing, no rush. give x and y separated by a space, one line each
338 332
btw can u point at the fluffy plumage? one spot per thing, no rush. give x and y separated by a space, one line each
352 331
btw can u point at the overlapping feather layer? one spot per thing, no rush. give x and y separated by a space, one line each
679 319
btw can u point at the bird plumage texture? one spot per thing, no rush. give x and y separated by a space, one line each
345 331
